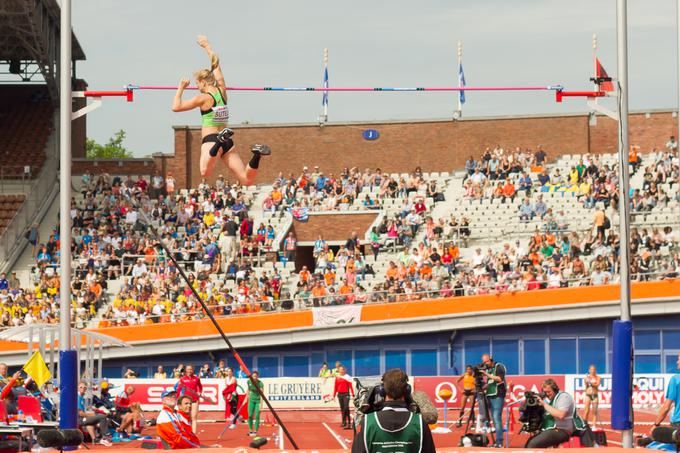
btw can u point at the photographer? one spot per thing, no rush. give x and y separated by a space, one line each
559 420
495 394
393 428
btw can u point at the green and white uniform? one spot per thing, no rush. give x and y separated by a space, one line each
405 439
254 405
218 115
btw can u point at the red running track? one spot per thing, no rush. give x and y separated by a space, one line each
320 430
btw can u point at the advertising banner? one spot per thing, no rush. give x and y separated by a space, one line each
283 393
341 314
517 385
648 389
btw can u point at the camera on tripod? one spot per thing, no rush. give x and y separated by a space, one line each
479 373
531 412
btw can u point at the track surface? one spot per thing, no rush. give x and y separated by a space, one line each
315 430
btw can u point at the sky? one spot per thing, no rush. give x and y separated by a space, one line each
371 43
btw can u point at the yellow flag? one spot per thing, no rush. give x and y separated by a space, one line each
36 368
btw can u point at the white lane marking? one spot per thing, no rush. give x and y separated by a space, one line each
340 441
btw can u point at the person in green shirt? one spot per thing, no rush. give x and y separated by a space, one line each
254 400
324 371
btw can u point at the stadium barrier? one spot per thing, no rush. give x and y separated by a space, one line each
317 393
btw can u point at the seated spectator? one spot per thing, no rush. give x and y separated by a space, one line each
97 425
169 425
526 210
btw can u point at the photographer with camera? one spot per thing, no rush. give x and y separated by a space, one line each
495 394
394 428
560 419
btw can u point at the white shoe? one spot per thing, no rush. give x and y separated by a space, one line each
232 426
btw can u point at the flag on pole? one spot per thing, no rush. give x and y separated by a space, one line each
599 73
461 83
324 101
36 368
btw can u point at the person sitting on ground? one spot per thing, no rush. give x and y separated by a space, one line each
184 414
133 421
88 419
169 425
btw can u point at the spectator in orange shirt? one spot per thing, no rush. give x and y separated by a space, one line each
425 270
304 275
329 277
392 272
508 190
318 294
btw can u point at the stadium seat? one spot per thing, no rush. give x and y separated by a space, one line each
30 406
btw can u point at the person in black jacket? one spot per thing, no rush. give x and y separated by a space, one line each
394 428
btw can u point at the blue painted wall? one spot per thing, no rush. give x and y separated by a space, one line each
568 347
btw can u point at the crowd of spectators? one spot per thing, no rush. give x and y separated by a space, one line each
211 231
318 191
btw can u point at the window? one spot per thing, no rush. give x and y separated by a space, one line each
395 359
534 356
562 355
647 363
234 365
671 340
474 350
507 353
591 351
111 372
342 355
424 362
647 339
318 358
671 363
268 366
367 363
296 366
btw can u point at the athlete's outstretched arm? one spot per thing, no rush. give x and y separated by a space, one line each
214 65
178 105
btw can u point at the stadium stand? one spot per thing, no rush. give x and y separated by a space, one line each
25 125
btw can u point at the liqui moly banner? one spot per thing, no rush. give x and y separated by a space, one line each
648 389
283 393
517 385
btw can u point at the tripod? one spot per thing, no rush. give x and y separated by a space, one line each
479 395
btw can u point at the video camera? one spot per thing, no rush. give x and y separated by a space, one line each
479 372
370 398
531 412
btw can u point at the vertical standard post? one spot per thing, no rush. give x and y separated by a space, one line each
325 84
67 356
677 134
460 60
621 406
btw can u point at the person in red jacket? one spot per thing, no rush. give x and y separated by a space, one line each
343 387
190 385
184 415
169 424
123 402
230 394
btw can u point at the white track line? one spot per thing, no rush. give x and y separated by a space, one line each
338 438
280 438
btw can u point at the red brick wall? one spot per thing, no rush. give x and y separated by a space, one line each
114 166
432 145
333 227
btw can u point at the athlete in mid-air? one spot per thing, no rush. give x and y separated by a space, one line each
216 143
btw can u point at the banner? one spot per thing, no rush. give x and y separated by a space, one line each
648 389
283 393
341 314
517 385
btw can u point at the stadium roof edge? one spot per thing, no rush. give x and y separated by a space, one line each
422 121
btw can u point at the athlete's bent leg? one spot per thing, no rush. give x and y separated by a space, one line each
246 174
207 163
